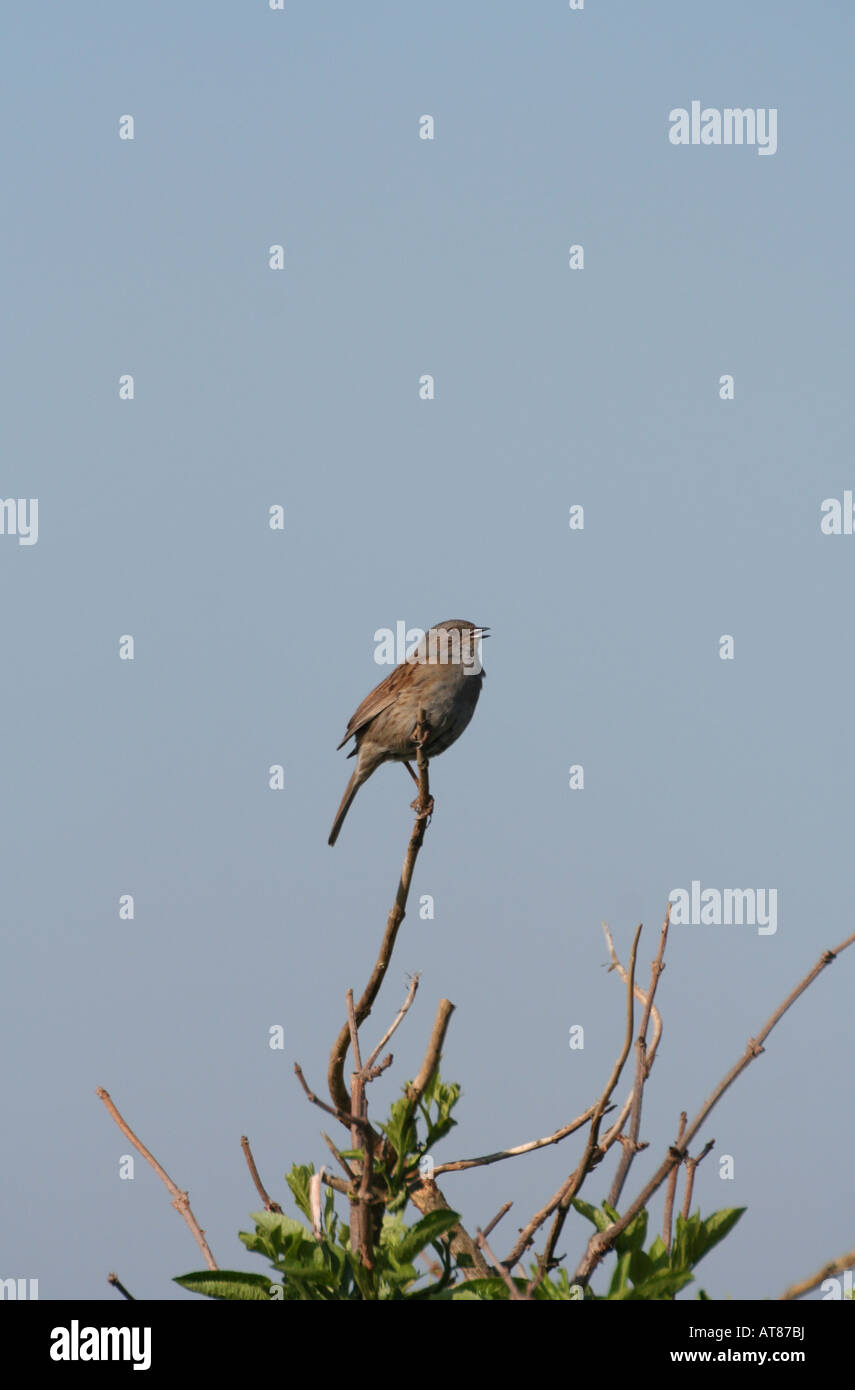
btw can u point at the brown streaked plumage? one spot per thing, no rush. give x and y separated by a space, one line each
446 689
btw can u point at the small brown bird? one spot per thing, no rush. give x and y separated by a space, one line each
443 677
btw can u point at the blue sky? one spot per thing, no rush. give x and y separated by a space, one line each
553 387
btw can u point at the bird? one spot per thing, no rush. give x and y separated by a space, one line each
442 676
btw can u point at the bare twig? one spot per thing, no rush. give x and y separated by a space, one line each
411 994
497 1218
639 992
560 1202
642 1070
755 1045
259 1185
691 1165
344 1115
843 1262
354 1032
591 1147
671 1189
339 1158
616 1129
602 1241
513 1292
117 1284
371 1073
180 1200
417 1088
424 1192
335 1073
459 1164
338 1184
363 1205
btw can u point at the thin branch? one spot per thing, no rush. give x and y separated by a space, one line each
117 1284
180 1200
371 1073
513 1292
614 1134
691 1165
602 1241
615 1130
843 1262
411 994
259 1185
639 992
354 1032
459 1164
642 1070
671 1189
491 1225
335 1073
587 1159
755 1045
339 1158
344 1115
417 1088
362 1201
338 1184
424 1193
560 1202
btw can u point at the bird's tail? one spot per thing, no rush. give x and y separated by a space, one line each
346 801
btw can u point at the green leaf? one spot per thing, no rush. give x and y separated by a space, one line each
298 1181
491 1290
392 1231
660 1286
634 1236
620 1277
685 1240
695 1238
559 1288
308 1274
717 1226
641 1266
430 1228
228 1284
593 1214
276 1236
657 1252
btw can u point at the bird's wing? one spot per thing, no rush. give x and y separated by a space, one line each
383 695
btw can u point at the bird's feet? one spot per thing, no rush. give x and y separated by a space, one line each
422 812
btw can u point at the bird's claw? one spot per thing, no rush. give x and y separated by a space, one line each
422 813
